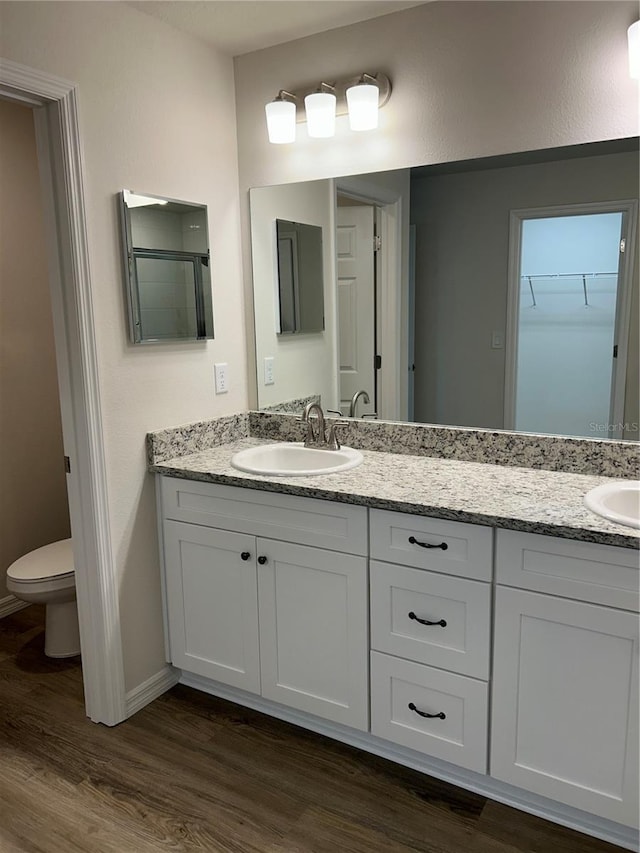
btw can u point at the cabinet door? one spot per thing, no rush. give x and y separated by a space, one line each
212 601
565 702
313 631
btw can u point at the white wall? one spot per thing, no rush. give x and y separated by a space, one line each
304 364
470 79
157 115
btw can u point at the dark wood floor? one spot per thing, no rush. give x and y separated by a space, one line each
194 773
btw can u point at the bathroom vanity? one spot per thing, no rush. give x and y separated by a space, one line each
495 651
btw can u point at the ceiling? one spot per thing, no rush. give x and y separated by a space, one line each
241 26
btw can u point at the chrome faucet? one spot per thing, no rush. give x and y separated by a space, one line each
354 402
318 439
314 440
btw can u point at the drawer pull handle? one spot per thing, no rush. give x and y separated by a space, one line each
440 622
440 716
262 560
245 556
443 545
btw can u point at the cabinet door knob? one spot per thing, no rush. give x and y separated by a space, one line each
245 555
443 545
440 622
262 560
440 716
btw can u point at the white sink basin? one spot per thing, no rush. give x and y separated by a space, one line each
295 460
619 502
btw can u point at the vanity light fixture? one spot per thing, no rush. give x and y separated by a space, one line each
281 118
633 36
360 96
320 108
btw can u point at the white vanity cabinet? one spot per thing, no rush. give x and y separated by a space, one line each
502 661
565 675
430 635
269 615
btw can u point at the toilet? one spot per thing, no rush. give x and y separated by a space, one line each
47 576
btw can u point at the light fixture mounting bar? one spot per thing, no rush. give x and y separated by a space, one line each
340 86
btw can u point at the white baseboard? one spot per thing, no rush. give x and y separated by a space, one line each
486 786
10 604
150 689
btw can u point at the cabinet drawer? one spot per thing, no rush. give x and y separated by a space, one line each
307 521
467 550
602 574
461 644
461 737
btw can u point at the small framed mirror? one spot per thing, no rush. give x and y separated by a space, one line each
167 268
300 277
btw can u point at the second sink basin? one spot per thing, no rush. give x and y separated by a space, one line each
289 459
619 502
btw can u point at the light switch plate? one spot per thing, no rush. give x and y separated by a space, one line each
269 371
222 380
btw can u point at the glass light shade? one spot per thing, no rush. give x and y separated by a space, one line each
281 121
362 102
321 114
633 34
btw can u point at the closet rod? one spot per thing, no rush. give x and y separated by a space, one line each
583 275
570 275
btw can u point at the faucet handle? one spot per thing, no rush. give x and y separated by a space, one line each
332 440
311 436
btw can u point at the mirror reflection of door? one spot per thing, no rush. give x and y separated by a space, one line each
571 321
356 305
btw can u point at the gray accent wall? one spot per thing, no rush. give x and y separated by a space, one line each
462 239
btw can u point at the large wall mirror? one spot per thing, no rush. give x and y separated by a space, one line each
496 293
166 261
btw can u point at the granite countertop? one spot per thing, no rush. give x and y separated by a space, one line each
534 501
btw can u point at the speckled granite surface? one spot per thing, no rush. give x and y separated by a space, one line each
292 407
503 496
189 438
550 453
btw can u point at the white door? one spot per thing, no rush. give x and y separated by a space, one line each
313 631
565 702
213 603
356 305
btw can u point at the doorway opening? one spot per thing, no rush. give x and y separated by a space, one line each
357 307
371 290
35 507
55 112
568 320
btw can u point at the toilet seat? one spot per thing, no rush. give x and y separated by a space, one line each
51 565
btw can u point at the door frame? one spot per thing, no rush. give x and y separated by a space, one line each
629 210
390 288
55 104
